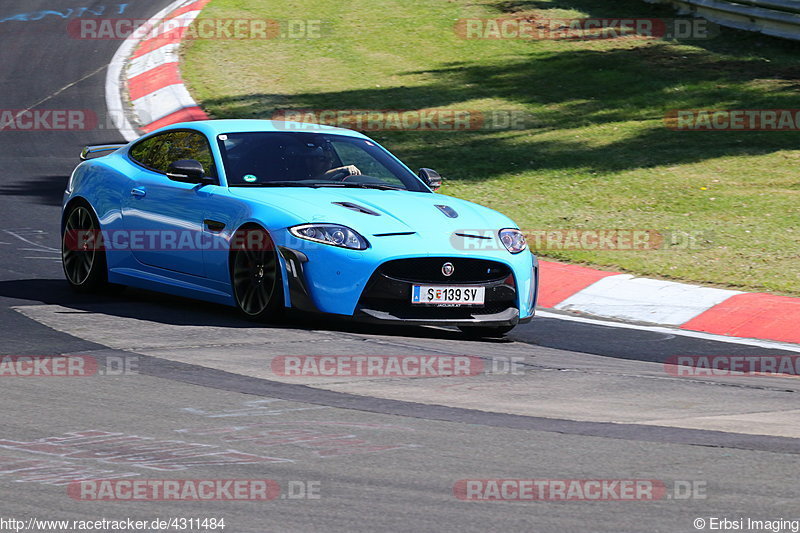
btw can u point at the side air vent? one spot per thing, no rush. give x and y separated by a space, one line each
357 208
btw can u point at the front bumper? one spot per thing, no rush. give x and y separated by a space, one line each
382 294
387 295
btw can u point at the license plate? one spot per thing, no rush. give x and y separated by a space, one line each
441 295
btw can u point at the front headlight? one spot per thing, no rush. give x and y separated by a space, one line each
513 240
332 234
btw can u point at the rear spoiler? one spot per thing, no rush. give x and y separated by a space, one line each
91 151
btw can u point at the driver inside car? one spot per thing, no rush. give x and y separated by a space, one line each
321 165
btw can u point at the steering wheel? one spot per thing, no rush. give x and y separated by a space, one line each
341 175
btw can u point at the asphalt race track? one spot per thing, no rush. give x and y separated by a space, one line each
587 401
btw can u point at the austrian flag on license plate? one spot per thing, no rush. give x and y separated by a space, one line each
439 295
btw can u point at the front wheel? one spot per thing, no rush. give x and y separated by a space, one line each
255 275
478 332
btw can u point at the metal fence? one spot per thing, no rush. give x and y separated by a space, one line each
780 18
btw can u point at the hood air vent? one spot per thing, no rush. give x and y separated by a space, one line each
448 211
395 234
357 208
476 236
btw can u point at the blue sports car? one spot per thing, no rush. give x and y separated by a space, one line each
265 216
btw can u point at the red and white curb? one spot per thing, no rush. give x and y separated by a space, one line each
144 76
597 293
144 88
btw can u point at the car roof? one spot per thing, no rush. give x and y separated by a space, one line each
212 128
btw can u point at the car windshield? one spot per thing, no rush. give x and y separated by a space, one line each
293 159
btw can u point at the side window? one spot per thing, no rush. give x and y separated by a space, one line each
160 151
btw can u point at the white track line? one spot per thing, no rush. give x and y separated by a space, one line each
772 345
38 247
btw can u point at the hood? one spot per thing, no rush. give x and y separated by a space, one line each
395 211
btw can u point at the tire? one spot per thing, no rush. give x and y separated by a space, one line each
256 281
478 332
82 256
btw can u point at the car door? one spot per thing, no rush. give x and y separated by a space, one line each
164 218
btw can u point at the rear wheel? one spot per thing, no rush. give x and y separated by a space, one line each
255 275
478 332
82 255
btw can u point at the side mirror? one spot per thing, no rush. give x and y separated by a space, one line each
431 177
188 171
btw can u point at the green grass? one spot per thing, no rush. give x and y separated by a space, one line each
598 155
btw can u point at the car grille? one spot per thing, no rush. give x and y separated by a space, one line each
429 270
389 289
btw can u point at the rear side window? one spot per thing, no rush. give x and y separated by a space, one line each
140 150
157 153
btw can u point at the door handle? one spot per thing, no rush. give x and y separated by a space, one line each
138 192
214 226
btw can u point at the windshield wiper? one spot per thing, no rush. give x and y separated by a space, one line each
316 185
277 184
354 185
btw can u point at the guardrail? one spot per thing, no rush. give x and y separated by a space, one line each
779 18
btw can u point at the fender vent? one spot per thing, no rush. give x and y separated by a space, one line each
357 208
